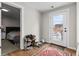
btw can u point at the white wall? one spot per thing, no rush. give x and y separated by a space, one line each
72 25
30 22
45 27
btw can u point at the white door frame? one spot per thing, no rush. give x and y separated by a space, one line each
67 26
77 31
21 21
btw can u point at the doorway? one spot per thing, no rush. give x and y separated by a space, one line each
10 28
59 27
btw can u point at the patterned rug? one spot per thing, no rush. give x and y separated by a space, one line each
50 51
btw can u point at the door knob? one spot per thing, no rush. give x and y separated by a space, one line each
65 30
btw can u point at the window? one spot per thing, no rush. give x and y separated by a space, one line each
57 27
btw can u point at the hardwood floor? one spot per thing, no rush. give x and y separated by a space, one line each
36 50
30 52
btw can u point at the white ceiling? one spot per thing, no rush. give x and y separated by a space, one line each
44 6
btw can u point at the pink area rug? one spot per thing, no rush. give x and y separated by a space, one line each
51 52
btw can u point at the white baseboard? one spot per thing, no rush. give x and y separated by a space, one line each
67 47
72 48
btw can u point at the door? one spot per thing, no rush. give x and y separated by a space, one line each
58 27
0 28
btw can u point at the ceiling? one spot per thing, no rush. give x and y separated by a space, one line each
45 6
13 12
40 6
